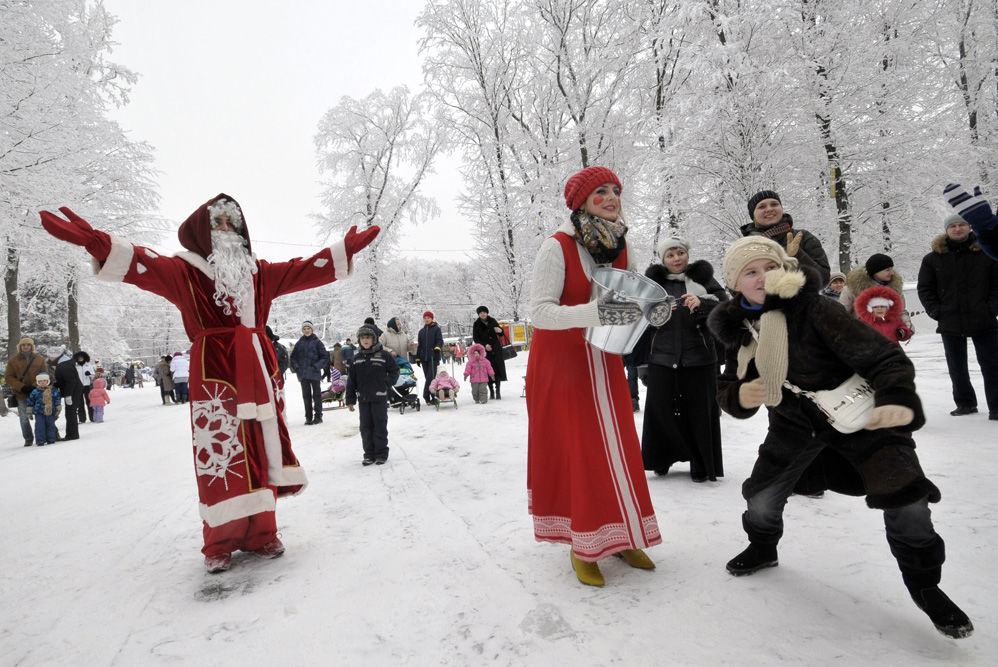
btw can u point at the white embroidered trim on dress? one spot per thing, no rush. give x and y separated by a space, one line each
239 507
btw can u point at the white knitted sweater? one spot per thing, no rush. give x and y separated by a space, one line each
549 280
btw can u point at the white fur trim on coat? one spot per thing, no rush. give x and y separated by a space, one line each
341 267
118 261
239 507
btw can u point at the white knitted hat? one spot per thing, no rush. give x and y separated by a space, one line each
748 249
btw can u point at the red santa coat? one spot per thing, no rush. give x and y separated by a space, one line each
242 450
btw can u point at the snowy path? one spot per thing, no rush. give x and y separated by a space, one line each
431 559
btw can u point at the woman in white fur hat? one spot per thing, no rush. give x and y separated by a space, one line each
682 421
777 329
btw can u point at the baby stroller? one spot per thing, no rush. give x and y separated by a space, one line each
336 390
401 395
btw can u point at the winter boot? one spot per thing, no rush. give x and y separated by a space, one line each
636 558
498 395
271 549
492 391
756 557
588 573
217 563
943 612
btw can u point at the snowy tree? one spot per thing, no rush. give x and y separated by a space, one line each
58 147
373 155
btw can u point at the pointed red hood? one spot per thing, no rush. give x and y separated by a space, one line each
195 233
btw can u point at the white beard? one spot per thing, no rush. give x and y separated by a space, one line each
234 268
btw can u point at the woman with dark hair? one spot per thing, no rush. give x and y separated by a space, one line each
486 332
585 482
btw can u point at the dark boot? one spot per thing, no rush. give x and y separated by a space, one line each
943 612
756 557
498 395
492 391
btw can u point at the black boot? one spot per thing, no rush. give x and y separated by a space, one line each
498 395
492 391
943 612
756 557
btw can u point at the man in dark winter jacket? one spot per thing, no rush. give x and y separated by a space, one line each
372 371
958 286
282 352
67 381
308 361
430 344
976 212
769 220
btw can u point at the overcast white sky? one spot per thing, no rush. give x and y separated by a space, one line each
230 94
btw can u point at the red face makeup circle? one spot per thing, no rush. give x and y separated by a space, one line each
598 199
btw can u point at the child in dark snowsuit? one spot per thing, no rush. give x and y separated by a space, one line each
372 372
45 403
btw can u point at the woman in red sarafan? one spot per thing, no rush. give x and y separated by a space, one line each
585 480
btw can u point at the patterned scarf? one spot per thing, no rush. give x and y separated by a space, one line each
604 239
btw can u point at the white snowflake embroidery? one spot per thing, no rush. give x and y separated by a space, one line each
218 452
141 268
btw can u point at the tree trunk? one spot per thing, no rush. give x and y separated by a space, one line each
13 306
73 314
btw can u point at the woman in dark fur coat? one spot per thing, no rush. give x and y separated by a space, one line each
800 337
682 419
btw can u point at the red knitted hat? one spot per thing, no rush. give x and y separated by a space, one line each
428 314
580 186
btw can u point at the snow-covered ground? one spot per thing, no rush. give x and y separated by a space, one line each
430 559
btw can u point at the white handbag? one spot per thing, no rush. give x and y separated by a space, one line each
847 408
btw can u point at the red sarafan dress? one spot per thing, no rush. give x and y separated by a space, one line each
585 479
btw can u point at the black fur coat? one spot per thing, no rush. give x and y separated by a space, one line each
826 346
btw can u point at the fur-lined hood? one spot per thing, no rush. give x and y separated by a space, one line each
858 281
699 271
477 347
883 292
788 291
940 246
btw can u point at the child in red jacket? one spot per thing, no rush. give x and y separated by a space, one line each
880 307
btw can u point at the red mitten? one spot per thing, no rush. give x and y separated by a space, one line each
78 232
355 242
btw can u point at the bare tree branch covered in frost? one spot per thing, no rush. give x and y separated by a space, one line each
373 154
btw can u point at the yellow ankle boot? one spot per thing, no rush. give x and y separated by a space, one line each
588 573
636 558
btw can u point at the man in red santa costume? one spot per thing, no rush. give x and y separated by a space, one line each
242 450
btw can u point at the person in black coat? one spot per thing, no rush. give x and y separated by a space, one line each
309 360
67 381
777 330
770 221
682 420
429 347
486 332
372 371
283 361
958 286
